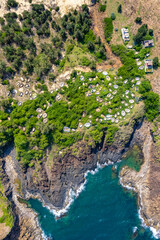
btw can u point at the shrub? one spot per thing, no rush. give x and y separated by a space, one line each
102 8
85 61
57 9
108 29
138 20
2 21
152 105
113 16
91 46
155 62
69 48
145 86
151 32
119 9
141 34
12 4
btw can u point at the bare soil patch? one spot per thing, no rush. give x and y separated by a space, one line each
97 21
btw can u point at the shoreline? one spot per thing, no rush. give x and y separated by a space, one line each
155 233
72 195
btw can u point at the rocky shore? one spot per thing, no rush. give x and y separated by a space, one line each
146 182
52 185
26 224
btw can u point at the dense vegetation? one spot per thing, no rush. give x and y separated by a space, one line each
151 100
17 39
142 34
32 136
5 207
129 68
78 103
108 29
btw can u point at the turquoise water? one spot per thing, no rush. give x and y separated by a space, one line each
103 211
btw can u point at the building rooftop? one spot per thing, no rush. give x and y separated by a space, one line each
148 43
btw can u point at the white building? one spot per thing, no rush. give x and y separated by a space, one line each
148 65
125 34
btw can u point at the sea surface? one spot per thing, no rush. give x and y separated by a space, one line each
104 210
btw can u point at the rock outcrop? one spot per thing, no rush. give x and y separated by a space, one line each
26 225
146 182
52 183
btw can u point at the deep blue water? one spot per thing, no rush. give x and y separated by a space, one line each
103 211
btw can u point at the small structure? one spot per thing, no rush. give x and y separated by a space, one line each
66 129
125 34
108 117
148 43
45 120
87 125
148 65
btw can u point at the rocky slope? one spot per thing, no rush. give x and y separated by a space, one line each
146 182
52 184
26 226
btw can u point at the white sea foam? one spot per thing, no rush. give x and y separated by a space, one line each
156 233
72 194
134 229
44 236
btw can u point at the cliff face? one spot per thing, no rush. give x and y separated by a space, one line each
146 182
52 183
25 226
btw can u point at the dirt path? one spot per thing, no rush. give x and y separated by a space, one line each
97 20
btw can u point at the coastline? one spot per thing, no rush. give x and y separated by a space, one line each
110 155
145 183
155 233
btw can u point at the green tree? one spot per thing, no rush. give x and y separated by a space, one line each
21 141
138 20
145 86
119 9
113 16
12 4
42 65
155 62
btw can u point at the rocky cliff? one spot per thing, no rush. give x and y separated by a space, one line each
146 182
52 183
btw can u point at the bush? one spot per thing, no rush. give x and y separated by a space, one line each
102 8
119 9
91 46
85 61
57 9
138 20
69 48
2 21
151 32
108 29
113 16
155 62
141 34
145 87
152 105
12 4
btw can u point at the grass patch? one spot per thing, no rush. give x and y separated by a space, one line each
6 209
108 29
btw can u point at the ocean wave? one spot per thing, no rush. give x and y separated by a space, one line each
155 233
72 194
